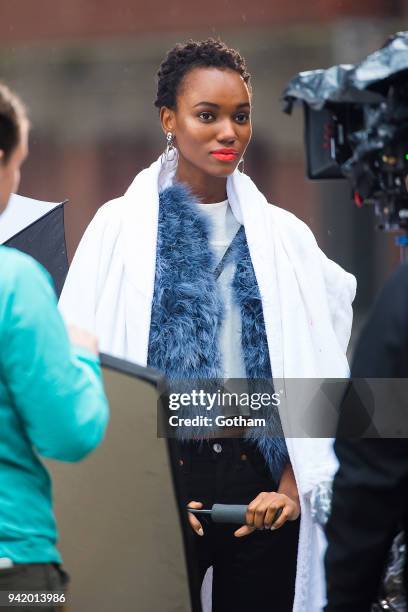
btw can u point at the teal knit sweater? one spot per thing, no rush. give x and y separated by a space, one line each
52 404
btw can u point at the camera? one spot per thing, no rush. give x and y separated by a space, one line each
356 127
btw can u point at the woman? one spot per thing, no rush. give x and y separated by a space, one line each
51 397
144 272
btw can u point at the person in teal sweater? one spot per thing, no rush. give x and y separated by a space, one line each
52 402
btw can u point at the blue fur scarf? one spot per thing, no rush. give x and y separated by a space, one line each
187 309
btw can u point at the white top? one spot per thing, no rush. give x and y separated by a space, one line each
224 227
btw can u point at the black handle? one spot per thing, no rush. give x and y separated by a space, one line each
229 513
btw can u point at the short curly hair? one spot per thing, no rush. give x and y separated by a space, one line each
192 54
12 114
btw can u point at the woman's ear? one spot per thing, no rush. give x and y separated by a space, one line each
1 155
167 120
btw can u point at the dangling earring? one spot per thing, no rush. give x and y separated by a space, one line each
170 153
241 169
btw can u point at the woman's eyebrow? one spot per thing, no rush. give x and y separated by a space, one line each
241 105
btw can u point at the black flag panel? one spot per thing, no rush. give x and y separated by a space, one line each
45 241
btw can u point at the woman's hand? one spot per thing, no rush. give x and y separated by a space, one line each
80 337
194 522
262 511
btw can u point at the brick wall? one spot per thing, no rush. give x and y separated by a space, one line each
27 21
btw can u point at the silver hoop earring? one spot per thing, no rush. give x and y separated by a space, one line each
241 165
170 152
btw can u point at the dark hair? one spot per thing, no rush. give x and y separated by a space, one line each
192 54
12 114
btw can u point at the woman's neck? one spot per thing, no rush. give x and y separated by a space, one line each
208 189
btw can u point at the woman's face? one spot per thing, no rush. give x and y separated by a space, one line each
212 121
10 169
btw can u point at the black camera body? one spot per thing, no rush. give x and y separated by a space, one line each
356 127
326 140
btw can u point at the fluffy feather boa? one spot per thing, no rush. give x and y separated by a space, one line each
187 311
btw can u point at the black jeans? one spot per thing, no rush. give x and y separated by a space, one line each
33 577
256 572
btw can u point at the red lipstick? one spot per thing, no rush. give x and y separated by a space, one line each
227 155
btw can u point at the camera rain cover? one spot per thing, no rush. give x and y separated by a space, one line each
349 83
